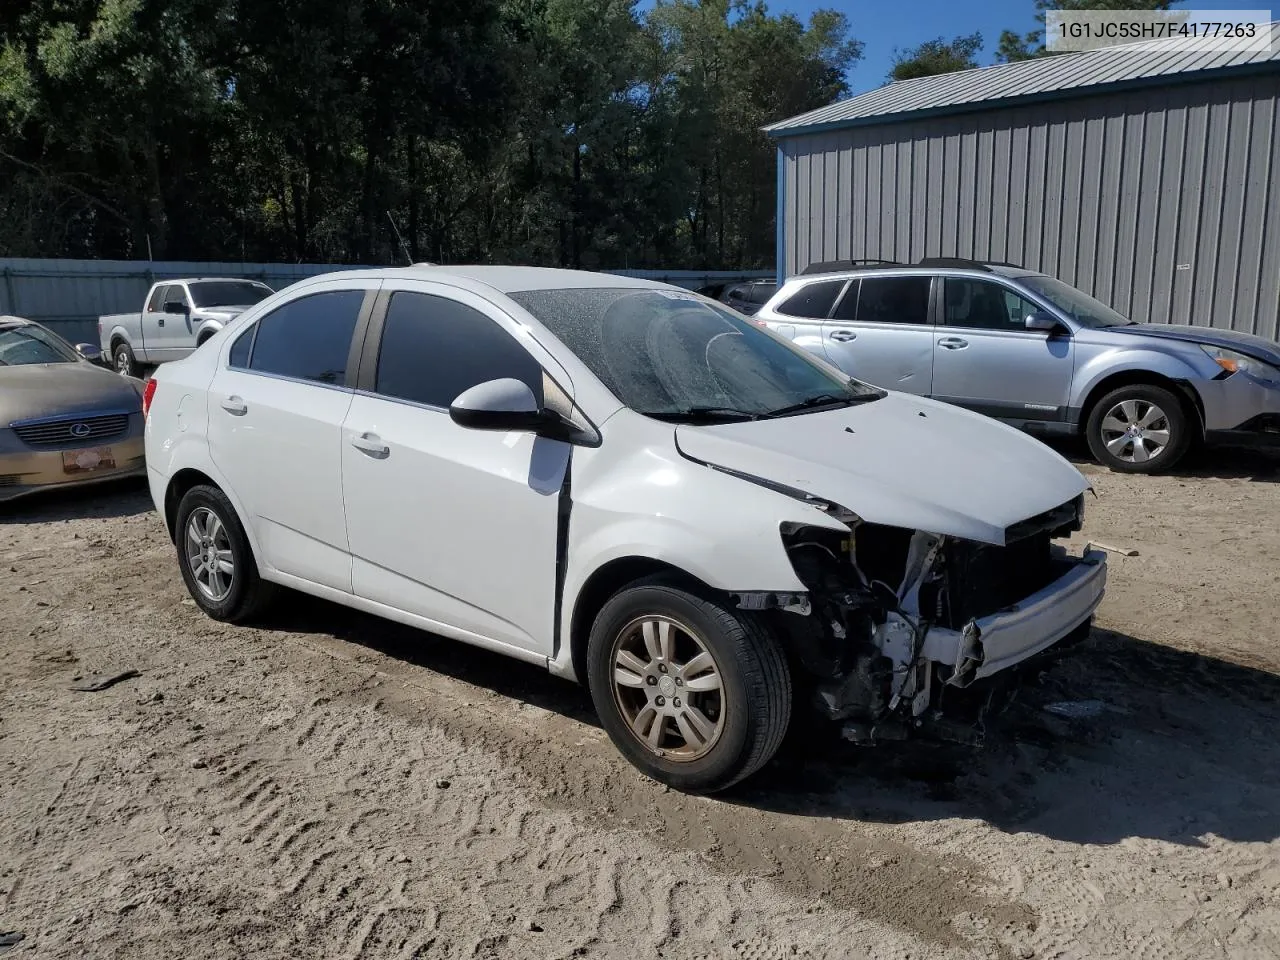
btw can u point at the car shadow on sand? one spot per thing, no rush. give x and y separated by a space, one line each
126 497
1258 460
1173 746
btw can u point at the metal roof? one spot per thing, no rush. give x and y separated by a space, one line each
984 87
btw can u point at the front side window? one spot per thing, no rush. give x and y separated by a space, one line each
27 343
812 301
1077 304
229 293
982 305
156 303
174 296
674 356
308 338
434 348
894 300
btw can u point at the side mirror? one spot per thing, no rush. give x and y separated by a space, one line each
89 351
1042 322
506 404
176 306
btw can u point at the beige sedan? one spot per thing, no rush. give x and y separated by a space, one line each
64 421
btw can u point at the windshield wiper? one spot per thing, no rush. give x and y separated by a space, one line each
704 413
821 400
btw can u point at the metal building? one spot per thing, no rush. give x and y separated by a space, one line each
1150 179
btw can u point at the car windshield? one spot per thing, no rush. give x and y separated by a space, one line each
677 356
1083 308
27 343
228 293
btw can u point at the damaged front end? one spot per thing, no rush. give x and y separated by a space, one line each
896 622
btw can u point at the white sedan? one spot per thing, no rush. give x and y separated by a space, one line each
626 483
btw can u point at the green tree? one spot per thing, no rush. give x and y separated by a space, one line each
937 56
1013 46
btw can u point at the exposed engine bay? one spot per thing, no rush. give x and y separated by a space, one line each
896 619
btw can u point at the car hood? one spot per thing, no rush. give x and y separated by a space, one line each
901 461
35 390
1260 348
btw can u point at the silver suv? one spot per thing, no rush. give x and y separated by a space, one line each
1035 352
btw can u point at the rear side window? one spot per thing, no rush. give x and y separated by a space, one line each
894 300
308 338
813 300
239 355
434 348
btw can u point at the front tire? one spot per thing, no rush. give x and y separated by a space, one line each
215 558
694 694
1140 428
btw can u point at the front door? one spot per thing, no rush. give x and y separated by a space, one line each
987 360
454 525
880 332
276 408
174 339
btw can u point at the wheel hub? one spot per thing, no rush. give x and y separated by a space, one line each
667 686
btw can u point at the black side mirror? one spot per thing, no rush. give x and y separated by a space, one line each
1041 322
176 306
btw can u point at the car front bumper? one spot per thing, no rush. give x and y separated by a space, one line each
30 470
1240 404
993 643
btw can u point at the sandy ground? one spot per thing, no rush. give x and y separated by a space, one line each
331 785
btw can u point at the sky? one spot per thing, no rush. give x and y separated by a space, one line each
882 26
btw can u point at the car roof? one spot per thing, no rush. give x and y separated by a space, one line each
502 279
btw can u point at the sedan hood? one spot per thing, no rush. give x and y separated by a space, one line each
31 391
1260 348
901 461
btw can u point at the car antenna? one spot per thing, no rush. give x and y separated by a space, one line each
404 248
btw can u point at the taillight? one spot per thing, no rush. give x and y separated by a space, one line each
148 391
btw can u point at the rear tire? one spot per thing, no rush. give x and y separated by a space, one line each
209 536
694 694
1140 428
122 358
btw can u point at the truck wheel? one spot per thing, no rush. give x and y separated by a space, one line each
125 362
1140 428
695 694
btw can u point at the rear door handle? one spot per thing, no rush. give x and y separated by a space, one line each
953 343
235 406
371 444
844 336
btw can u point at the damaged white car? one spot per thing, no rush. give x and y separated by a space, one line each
628 484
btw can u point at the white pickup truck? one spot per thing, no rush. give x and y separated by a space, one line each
177 317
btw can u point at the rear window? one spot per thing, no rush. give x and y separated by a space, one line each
813 300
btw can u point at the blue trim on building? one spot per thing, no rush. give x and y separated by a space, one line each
1070 93
781 243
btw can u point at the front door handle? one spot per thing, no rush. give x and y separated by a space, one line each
371 444
844 336
235 406
162 321
953 343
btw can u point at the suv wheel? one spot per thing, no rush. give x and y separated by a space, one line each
213 553
1140 428
696 695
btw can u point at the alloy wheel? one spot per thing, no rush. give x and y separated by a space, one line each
667 686
1136 431
209 554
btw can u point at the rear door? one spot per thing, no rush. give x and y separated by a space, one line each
275 419
880 332
987 360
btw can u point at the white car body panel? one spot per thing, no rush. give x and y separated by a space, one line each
959 474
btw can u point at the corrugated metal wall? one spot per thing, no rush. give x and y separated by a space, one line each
1164 202
70 295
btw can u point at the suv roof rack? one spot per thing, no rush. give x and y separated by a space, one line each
838 266
954 262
